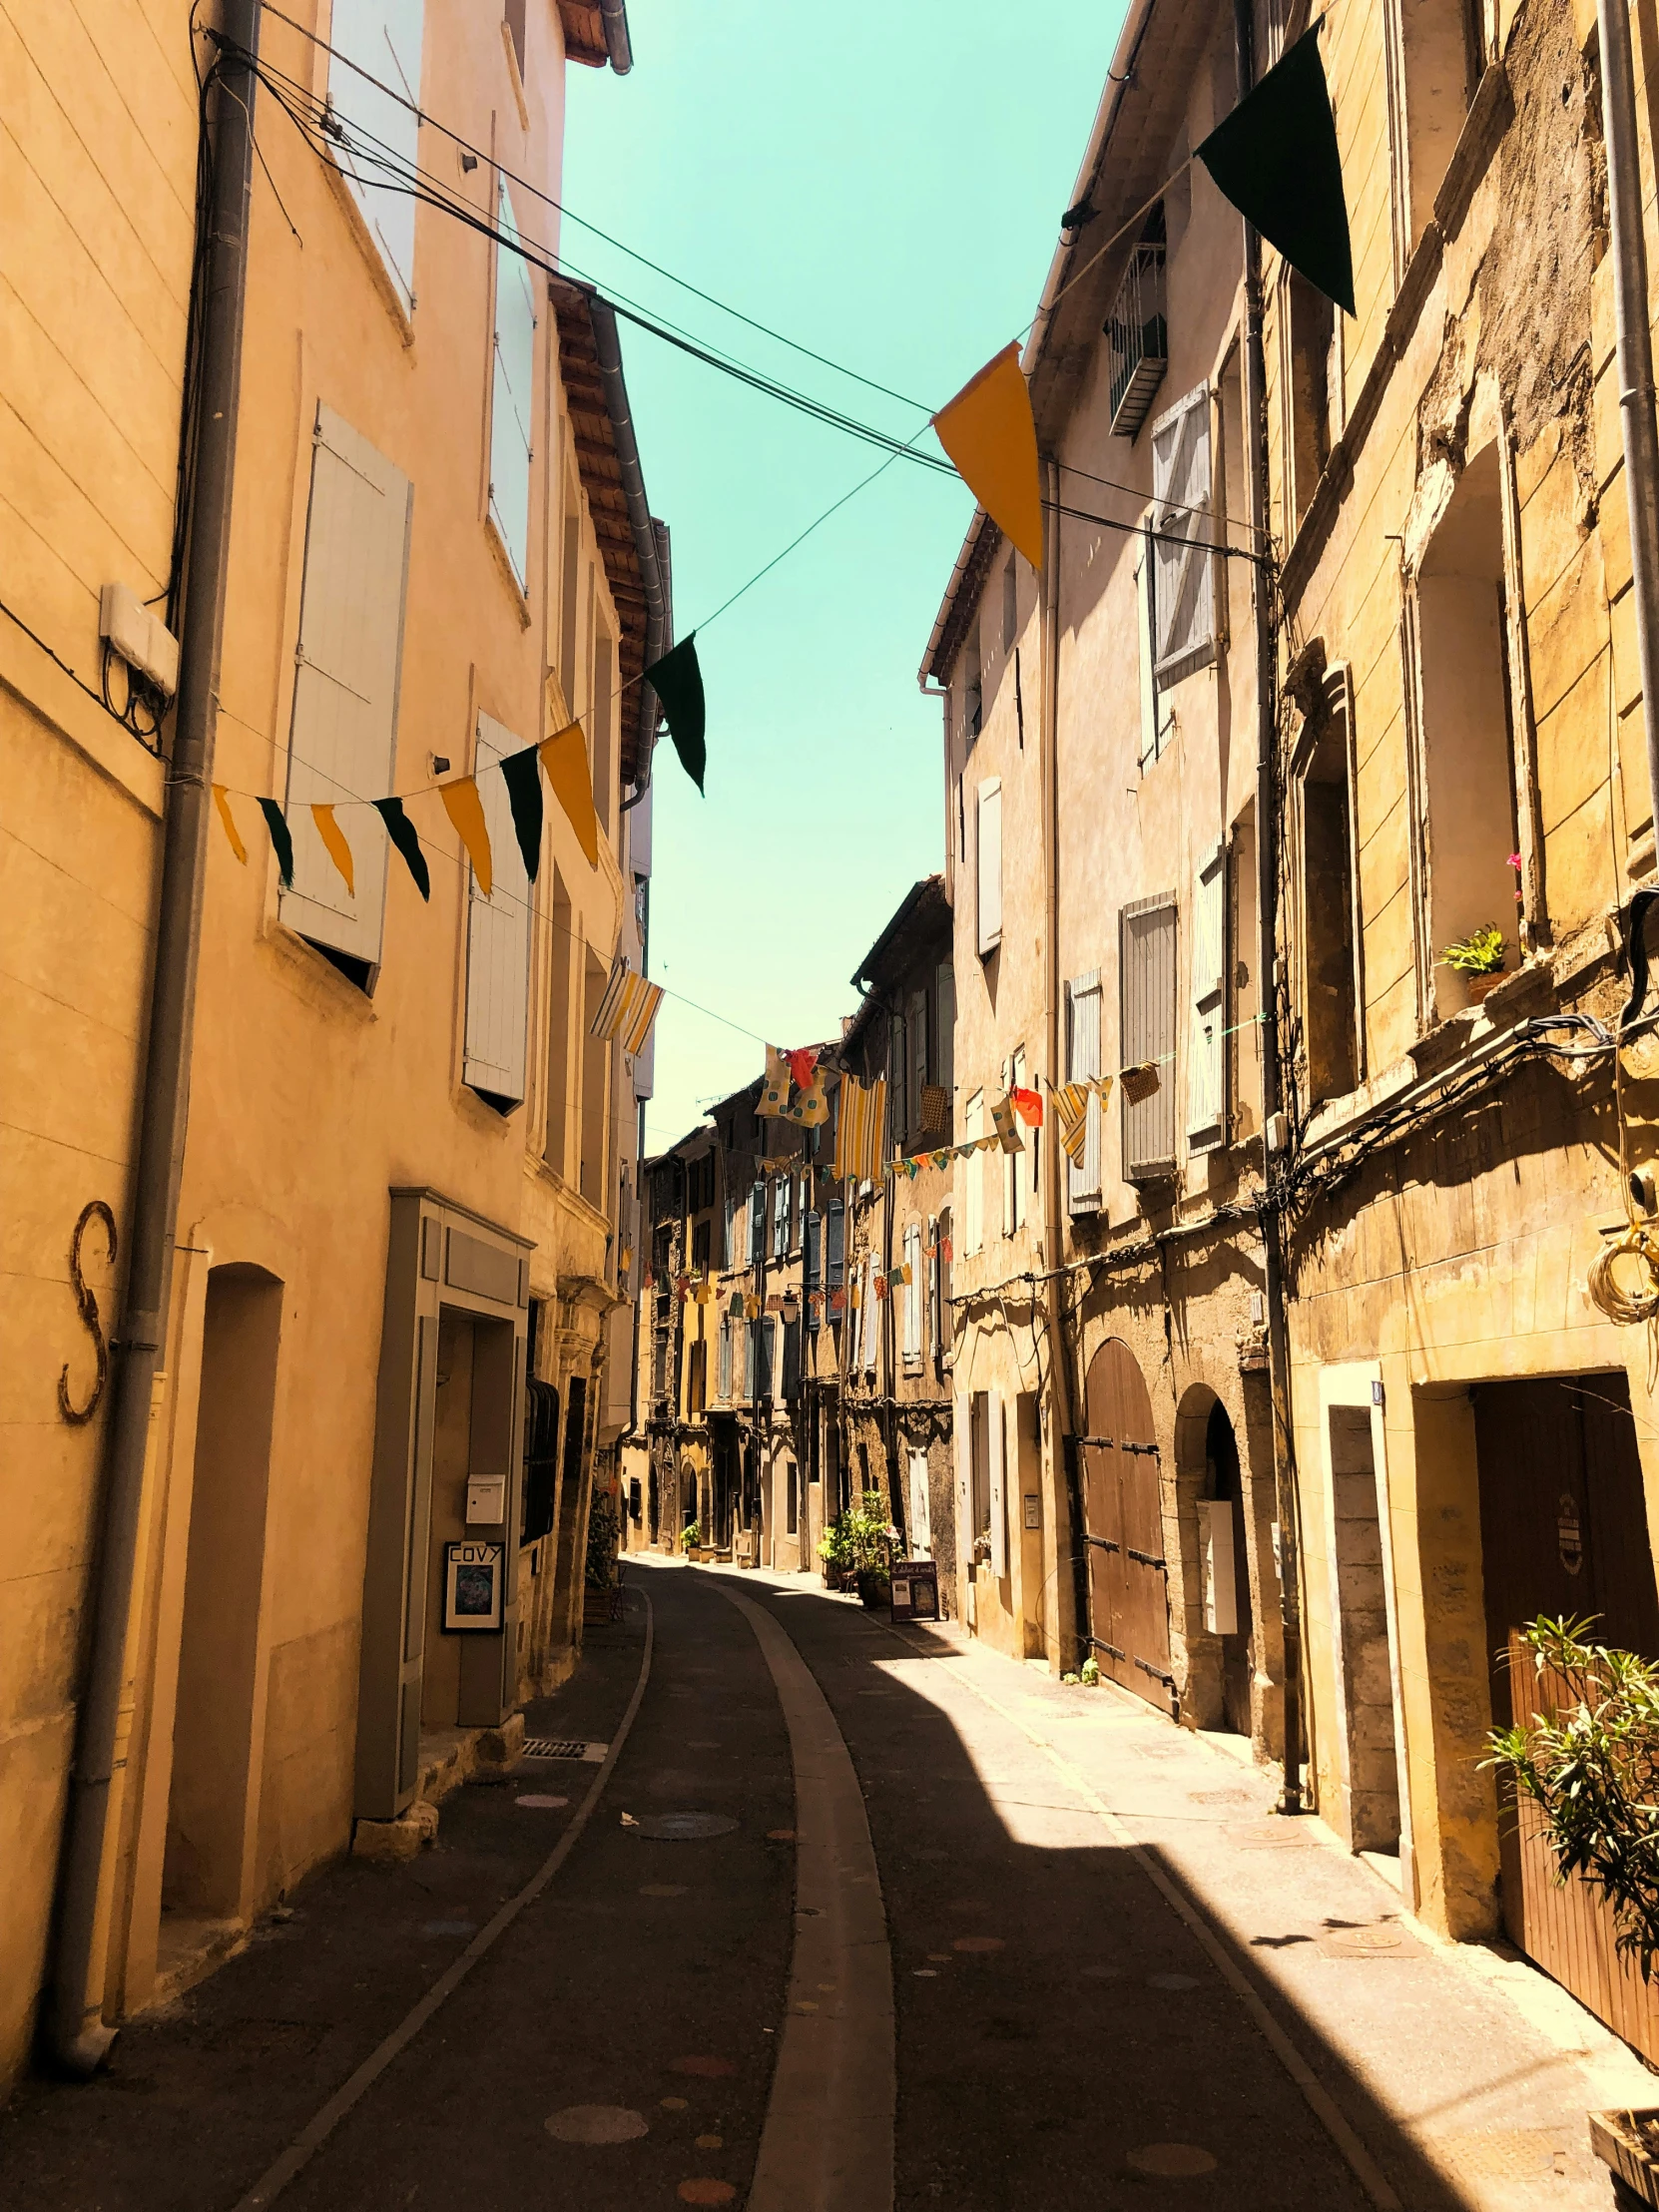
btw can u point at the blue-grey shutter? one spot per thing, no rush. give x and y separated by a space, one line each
792 1358
1146 971
815 1252
836 1276
758 1224
1184 592
751 1336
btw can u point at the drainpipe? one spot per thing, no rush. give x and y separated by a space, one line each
1635 355
74 2029
1266 901
1067 1650
650 537
618 44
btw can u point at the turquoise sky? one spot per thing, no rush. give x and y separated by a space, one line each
892 202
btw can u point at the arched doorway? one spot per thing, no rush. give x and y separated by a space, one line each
1227 1606
1123 1528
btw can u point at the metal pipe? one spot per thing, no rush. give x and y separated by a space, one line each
74 2029
1068 1653
619 46
1267 900
650 549
1635 355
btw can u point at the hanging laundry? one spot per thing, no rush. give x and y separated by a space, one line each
1007 1136
628 1008
1029 1107
801 1063
863 1115
774 1084
1071 1104
935 1109
1140 1081
811 1107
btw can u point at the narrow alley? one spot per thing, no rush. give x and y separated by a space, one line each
1069 1962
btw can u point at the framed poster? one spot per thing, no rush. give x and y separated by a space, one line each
472 1585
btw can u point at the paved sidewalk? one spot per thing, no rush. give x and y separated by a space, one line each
1463 2054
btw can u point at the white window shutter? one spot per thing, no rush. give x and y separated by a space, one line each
913 1291
1083 1061
921 1519
996 1436
1152 722
511 442
873 1315
1183 589
990 850
1146 977
342 743
383 38
973 1178
498 936
1207 1045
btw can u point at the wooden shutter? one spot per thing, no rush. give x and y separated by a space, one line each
791 1360
945 1030
1184 594
724 1371
383 39
1082 1061
873 1316
1206 1035
756 1224
781 1217
750 1338
498 936
997 1440
512 447
342 741
946 1332
813 1270
1146 972
989 864
916 1022
835 1262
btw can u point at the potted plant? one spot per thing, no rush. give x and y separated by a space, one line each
858 1548
1591 1767
1478 959
690 1540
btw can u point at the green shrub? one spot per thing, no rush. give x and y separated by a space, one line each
860 1540
604 1531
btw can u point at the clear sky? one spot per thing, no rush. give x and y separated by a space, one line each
885 187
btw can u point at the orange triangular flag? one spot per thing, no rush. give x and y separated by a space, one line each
467 811
334 838
991 438
564 756
222 799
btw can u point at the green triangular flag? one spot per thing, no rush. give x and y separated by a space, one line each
1275 159
277 824
523 776
677 682
401 832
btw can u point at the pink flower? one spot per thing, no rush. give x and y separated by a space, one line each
1514 859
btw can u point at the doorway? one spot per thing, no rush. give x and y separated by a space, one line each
1227 1602
217 1727
1370 1735
1123 1528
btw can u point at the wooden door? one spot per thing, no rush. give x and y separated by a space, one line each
1124 1530
1564 1530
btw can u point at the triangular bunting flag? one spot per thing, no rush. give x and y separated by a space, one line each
521 773
334 844
991 438
677 682
467 811
222 799
1276 157
401 832
277 823
565 757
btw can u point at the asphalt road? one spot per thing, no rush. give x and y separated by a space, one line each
1000 2003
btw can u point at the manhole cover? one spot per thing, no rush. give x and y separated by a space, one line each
685 1828
1381 1941
544 1747
1280 1834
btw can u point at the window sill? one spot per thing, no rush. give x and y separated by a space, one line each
367 246
504 562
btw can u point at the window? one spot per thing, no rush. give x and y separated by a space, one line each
835 1262
511 445
1327 931
973 689
1082 1062
1183 569
921 1519
751 1341
561 1060
1146 977
780 1190
1010 605
871 1317
756 1224
912 1295
1434 60
723 1369
973 1180
767 1341
700 1248
596 1071
791 1497
1206 1034
382 38
1465 751
1309 322
986 1449
791 1360
498 943
344 736
604 709
989 856
945 1326
813 1270
1137 331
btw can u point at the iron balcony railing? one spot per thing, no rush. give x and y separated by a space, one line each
1139 338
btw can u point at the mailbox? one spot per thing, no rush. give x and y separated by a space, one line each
486 1500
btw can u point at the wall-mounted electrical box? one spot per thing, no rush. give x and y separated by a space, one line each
141 638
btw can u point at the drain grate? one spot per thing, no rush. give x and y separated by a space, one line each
544 1747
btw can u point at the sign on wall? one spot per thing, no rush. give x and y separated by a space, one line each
472 1585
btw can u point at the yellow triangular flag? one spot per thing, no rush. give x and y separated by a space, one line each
991 438
222 799
467 811
564 756
334 838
